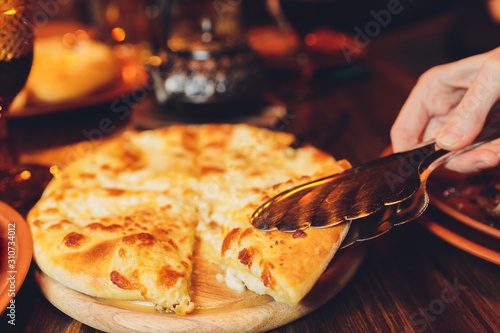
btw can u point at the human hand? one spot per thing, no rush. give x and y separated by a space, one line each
450 103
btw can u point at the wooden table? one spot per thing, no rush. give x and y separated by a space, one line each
411 281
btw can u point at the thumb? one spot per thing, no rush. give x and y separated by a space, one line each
469 116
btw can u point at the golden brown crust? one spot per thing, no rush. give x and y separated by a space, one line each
135 246
286 263
121 222
288 266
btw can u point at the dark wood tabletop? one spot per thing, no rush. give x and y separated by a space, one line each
410 281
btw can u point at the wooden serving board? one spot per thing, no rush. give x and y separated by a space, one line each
219 309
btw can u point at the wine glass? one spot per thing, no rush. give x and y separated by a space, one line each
307 17
18 184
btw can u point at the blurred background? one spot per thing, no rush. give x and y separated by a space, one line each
150 63
334 73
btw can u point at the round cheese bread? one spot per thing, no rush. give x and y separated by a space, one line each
123 221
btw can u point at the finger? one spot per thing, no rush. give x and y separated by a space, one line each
468 118
473 161
411 121
461 73
437 91
485 157
433 127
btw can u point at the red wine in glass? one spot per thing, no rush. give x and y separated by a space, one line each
18 184
13 75
305 16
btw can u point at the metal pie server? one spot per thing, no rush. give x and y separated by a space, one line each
375 196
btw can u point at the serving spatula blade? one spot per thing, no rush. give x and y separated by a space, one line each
353 194
387 184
